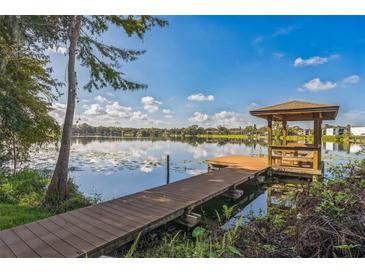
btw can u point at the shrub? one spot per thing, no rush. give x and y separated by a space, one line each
22 198
26 186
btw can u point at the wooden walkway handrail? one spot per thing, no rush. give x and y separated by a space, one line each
304 148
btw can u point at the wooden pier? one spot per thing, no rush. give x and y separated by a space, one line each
100 229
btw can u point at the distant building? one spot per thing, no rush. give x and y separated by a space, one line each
304 131
212 131
357 130
335 131
235 131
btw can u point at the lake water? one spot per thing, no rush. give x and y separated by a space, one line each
114 167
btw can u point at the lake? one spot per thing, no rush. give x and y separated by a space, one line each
114 167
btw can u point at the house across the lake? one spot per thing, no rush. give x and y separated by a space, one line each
357 130
304 131
335 131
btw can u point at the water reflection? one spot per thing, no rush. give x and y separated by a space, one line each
265 199
115 167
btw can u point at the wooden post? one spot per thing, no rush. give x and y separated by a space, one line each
285 132
317 141
167 169
269 141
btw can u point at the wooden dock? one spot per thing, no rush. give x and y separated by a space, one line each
238 161
102 228
255 162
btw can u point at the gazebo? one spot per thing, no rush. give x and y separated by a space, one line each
294 158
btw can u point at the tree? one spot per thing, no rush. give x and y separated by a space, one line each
25 100
81 34
103 62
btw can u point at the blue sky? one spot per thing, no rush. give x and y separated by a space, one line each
211 70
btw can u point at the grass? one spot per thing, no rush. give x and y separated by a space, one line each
13 215
240 136
22 198
224 136
291 138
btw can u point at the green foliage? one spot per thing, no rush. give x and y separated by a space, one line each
22 198
74 200
26 95
326 220
102 60
12 215
226 214
25 187
198 232
133 247
201 242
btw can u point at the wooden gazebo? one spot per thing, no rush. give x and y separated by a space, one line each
295 158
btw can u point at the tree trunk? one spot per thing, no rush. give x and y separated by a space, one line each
57 190
14 156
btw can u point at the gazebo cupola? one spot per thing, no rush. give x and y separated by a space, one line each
294 157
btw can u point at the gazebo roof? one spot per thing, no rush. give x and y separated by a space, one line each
297 111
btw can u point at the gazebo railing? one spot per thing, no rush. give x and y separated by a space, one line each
295 156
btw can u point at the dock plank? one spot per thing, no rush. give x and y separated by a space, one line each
84 226
85 235
72 239
52 240
17 245
101 228
5 251
35 243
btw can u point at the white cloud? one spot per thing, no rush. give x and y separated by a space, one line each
58 112
229 119
167 111
257 40
316 85
353 79
138 116
101 99
116 110
58 49
95 109
168 116
114 114
199 97
313 61
110 94
353 117
198 117
253 105
284 31
278 55
223 118
150 104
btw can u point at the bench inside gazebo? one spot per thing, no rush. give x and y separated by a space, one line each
295 158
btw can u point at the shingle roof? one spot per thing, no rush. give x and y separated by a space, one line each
296 111
294 105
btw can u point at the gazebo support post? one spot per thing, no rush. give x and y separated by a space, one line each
285 132
269 136
317 142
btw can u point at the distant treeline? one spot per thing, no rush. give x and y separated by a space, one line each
194 130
